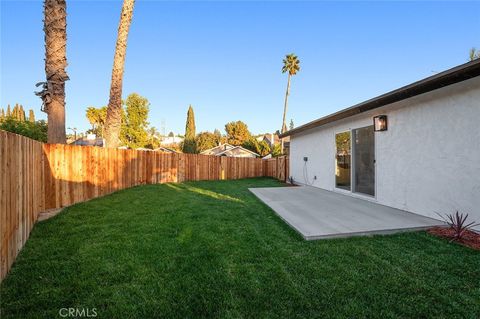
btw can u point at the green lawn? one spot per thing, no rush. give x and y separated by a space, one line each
211 249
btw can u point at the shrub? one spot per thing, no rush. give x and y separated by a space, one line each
35 130
458 223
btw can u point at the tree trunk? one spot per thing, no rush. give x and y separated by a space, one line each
55 27
114 110
284 123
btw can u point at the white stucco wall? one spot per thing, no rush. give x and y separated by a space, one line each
427 161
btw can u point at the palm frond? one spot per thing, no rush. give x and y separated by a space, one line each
291 64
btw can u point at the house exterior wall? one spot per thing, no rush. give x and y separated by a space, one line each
427 161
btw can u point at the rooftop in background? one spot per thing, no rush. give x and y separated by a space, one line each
171 140
89 140
454 75
230 151
165 150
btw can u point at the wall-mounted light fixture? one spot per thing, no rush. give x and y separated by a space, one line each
380 123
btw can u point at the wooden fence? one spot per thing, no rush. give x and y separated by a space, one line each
21 193
36 177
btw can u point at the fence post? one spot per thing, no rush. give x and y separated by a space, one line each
223 166
181 168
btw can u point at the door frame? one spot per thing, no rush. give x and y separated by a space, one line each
352 192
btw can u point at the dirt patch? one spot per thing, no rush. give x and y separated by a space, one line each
470 239
49 214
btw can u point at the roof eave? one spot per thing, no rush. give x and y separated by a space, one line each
451 76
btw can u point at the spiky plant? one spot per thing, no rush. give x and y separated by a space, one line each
458 223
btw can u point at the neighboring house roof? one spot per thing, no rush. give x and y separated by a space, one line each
236 151
454 75
143 149
228 150
217 149
165 150
269 156
272 139
88 142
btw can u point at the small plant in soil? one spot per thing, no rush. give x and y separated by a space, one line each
458 223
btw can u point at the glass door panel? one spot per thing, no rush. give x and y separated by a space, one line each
364 160
342 160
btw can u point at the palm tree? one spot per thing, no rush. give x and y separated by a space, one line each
53 90
291 64
114 110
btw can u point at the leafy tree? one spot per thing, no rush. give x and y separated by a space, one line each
342 142
171 134
221 139
134 129
474 54
97 118
237 132
18 113
34 130
262 148
291 64
15 112
189 140
21 113
291 124
152 141
277 150
113 125
205 141
31 116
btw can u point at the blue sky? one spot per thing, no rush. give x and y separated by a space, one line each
225 57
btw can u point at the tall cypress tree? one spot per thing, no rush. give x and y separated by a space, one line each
21 113
31 116
9 112
189 141
15 112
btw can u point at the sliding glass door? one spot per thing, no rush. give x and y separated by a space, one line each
355 160
364 160
343 160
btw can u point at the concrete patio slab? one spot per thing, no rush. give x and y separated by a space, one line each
316 213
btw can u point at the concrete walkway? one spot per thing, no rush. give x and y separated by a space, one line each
316 213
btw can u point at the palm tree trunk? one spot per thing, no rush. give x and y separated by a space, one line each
114 110
55 27
284 123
